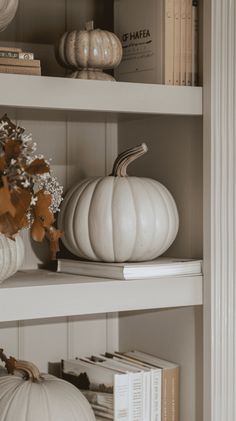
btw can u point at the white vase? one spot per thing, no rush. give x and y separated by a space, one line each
11 256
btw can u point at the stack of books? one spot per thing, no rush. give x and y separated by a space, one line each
160 267
132 386
14 60
159 39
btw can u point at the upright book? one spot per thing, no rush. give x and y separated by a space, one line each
162 266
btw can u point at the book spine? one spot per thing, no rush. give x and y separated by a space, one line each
12 49
19 62
146 396
169 43
136 396
121 397
156 395
175 394
17 55
183 43
170 394
177 16
21 70
189 43
195 34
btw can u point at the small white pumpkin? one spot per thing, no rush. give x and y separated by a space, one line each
90 48
39 397
8 10
119 218
11 256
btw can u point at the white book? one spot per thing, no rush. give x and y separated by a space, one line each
177 21
162 266
146 31
195 34
189 43
183 7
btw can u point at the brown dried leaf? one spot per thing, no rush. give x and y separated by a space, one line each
38 166
5 199
3 163
8 226
21 199
53 235
37 231
11 128
42 211
12 149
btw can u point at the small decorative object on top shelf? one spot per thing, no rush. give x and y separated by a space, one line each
29 196
45 398
8 10
90 51
119 218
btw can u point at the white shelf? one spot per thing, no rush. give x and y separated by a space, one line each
82 95
42 294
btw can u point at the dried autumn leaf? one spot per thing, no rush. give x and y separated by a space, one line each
37 231
41 209
5 199
8 226
2 163
21 199
10 127
12 149
53 235
38 166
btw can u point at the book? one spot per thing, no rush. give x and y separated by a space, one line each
195 34
19 62
183 7
16 54
21 70
170 383
177 17
147 38
162 266
189 43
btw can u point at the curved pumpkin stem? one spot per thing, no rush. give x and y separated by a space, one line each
125 158
29 369
89 26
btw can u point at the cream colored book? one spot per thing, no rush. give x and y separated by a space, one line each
162 266
189 43
169 43
19 62
183 43
177 16
195 34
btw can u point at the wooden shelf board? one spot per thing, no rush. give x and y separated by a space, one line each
43 294
56 93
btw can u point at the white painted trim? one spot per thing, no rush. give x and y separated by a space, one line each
220 211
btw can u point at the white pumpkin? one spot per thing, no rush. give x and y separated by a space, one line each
119 218
90 48
8 10
91 74
40 397
11 256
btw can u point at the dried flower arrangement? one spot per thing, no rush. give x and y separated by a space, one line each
29 194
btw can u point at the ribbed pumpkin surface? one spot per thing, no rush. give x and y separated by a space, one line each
50 400
11 256
117 219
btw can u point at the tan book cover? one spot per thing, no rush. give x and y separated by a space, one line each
13 49
177 15
195 34
169 43
19 62
183 43
21 70
189 43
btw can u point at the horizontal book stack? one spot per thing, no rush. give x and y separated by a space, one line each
160 267
132 386
160 41
14 60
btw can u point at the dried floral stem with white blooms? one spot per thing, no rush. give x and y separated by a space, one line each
29 194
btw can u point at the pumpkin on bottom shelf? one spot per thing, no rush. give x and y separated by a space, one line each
32 396
119 218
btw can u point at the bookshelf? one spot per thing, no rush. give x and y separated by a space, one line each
76 124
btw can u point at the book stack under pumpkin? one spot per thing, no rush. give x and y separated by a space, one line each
14 60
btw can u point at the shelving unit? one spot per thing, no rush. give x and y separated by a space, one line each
33 294
53 93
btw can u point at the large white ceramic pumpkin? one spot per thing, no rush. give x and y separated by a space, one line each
8 10
119 218
11 256
90 48
31 396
